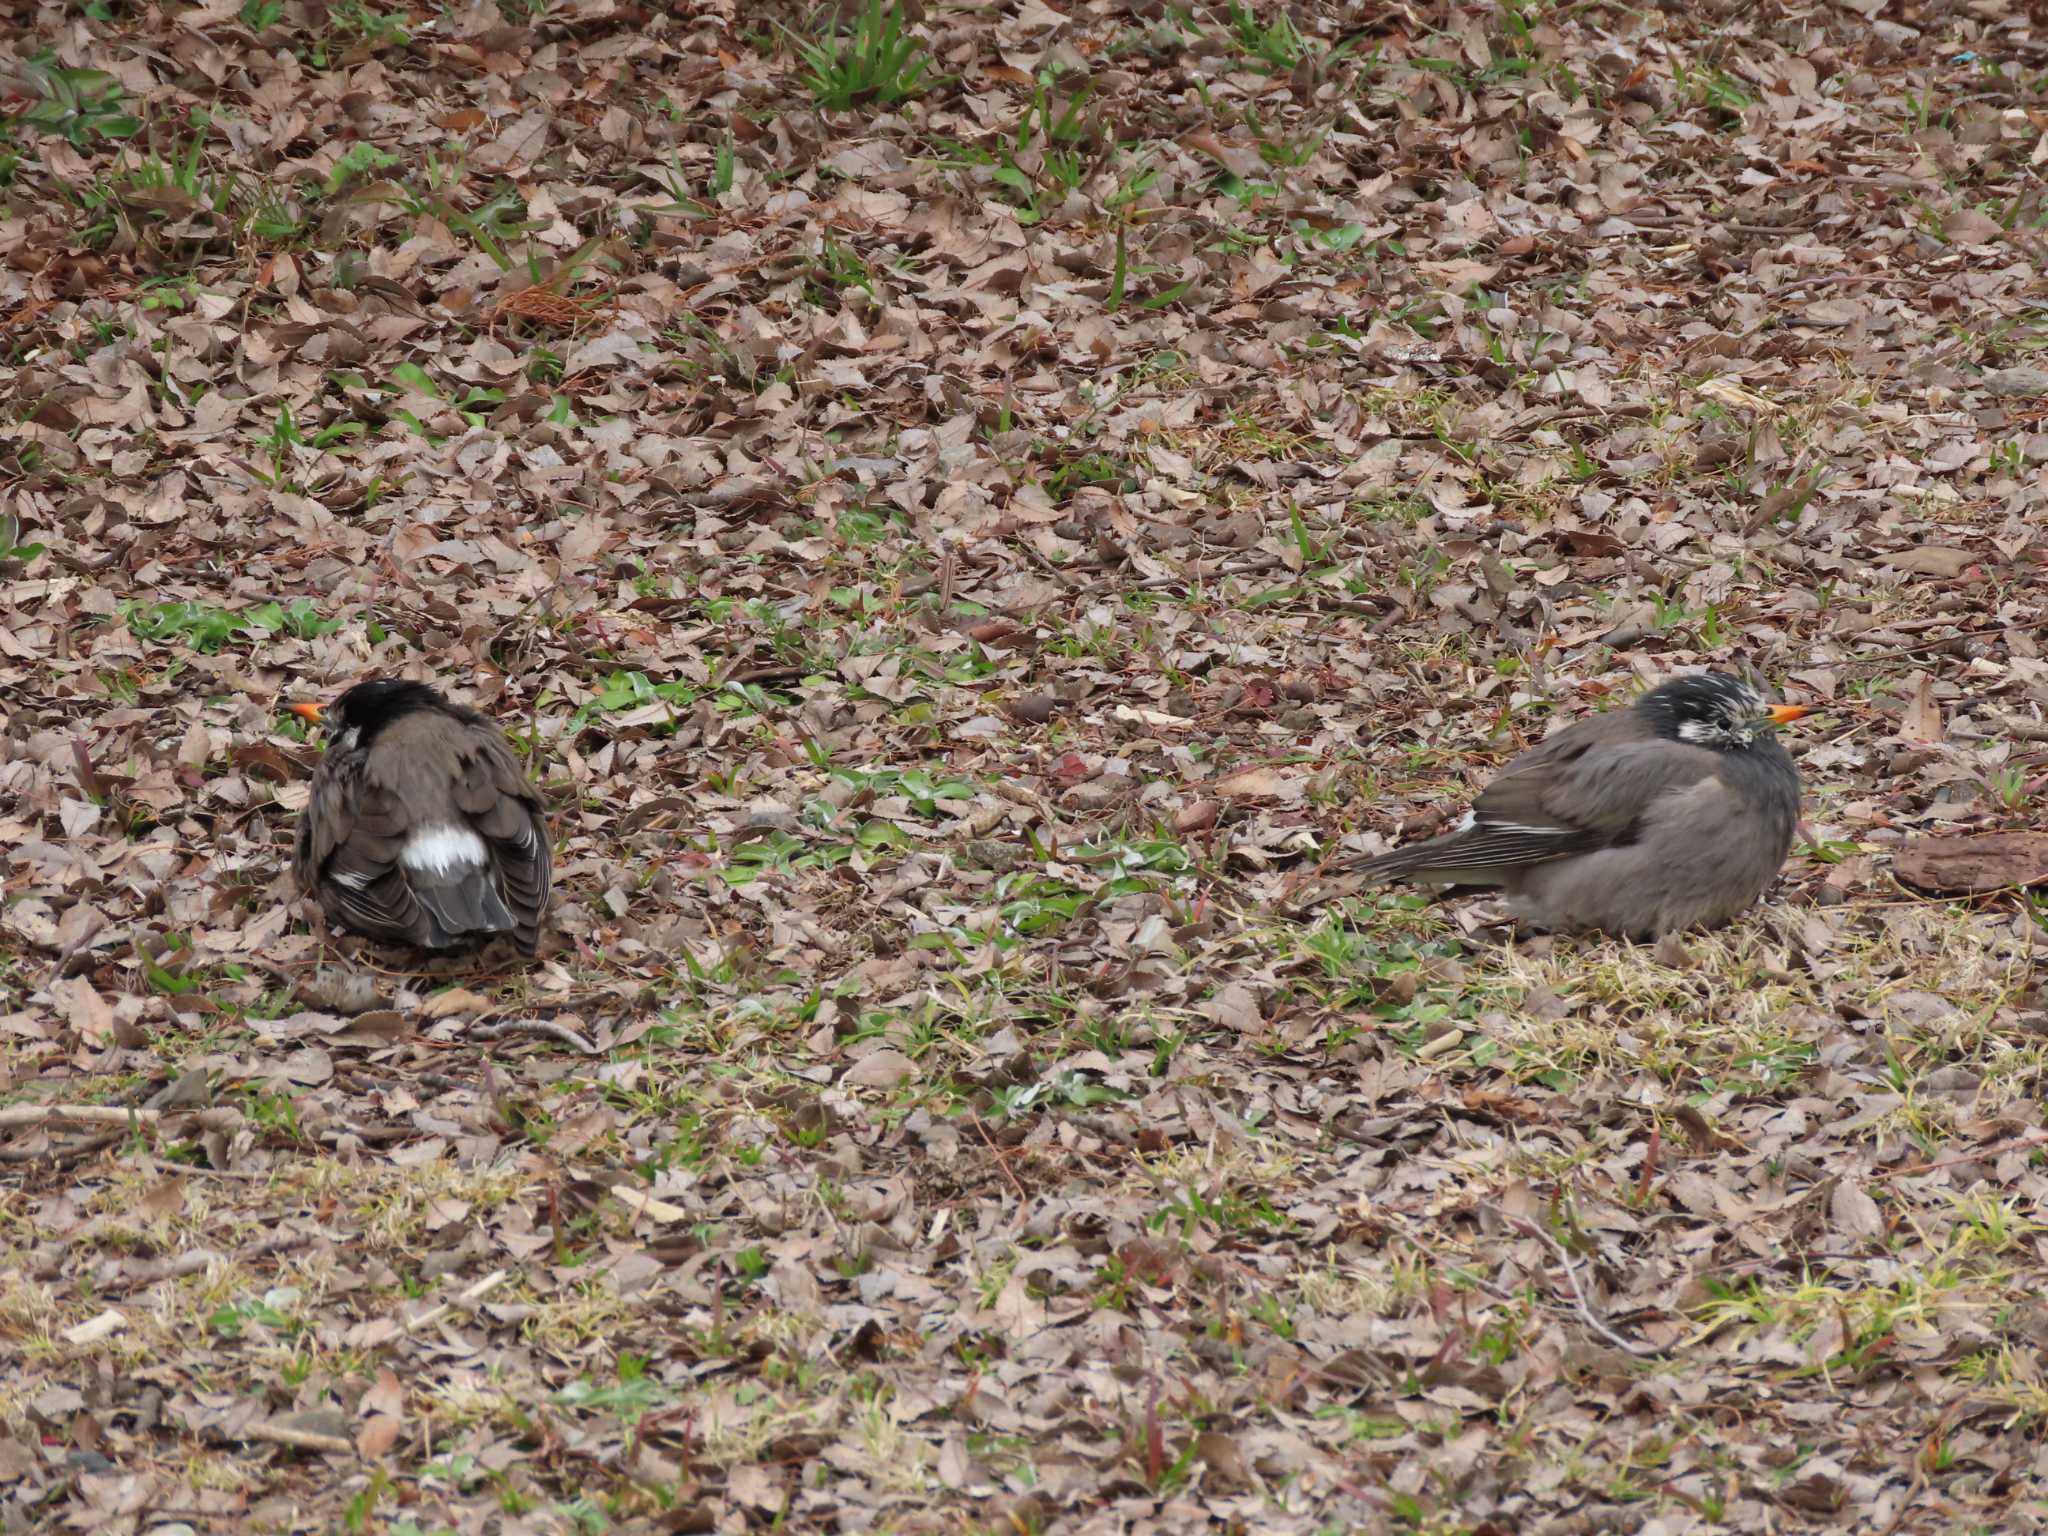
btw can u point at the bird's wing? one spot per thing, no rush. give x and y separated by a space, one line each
1571 795
493 793
1608 789
327 820
358 829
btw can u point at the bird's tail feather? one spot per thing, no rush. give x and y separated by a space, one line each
1387 866
469 903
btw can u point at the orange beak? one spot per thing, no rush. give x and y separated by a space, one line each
310 713
1785 714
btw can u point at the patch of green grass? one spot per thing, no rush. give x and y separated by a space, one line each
361 24
1710 87
359 162
874 61
1071 1090
12 545
231 1321
774 851
1276 42
835 268
922 790
208 627
1030 903
859 523
78 106
270 214
675 180
177 183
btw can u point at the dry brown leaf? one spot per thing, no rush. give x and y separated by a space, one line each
455 1002
1922 718
1235 1007
1854 1212
1931 560
1262 783
85 1011
1984 861
880 1069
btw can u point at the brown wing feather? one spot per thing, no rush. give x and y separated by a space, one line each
326 822
507 813
349 840
490 791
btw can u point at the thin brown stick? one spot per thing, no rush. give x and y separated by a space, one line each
545 1027
1585 1307
16 1115
1939 641
1001 1162
467 1300
196 1261
1976 1155
67 1156
296 1439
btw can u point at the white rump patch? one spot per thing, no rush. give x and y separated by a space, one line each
1467 822
437 850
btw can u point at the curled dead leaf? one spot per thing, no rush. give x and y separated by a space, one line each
1922 718
454 1002
1262 784
1984 861
1930 560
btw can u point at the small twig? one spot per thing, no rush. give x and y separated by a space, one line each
468 1299
68 1156
95 933
296 1439
1255 566
1976 1155
1685 221
1939 641
1831 279
1002 1162
546 1027
229 1175
197 1260
2025 730
1640 1351
78 1114
773 673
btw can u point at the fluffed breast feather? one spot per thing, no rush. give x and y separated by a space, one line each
428 778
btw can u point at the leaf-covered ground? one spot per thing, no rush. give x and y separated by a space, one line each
965 512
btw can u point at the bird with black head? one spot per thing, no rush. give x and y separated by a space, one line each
422 828
1674 813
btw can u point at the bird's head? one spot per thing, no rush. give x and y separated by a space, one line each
366 709
1712 709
